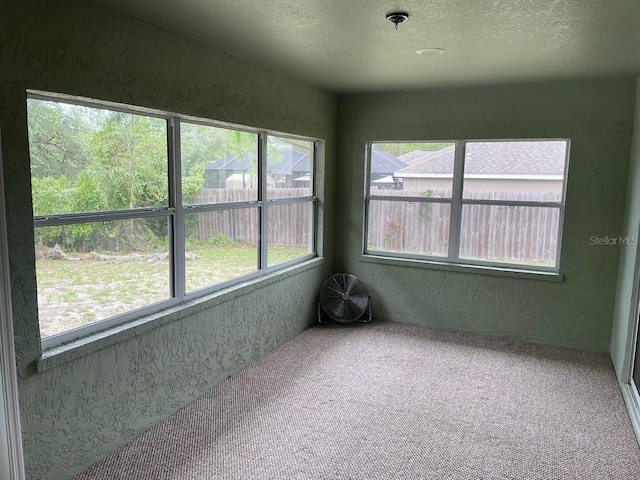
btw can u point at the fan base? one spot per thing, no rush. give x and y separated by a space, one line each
323 318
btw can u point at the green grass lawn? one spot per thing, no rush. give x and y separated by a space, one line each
83 289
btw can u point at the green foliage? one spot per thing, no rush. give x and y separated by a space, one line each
276 152
216 240
220 240
244 143
51 236
81 235
87 159
425 208
400 148
131 159
199 144
87 196
56 145
51 195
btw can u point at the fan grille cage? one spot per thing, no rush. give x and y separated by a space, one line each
344 298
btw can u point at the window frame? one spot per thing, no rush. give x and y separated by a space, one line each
175 212
262 194
457 201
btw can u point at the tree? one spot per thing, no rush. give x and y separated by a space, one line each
130 156
87 160
246 145
199 145
55 139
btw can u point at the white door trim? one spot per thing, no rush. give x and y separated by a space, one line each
11 441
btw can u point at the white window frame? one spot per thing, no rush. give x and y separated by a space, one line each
175 212
457 201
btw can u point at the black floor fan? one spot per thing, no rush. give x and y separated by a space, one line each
344 299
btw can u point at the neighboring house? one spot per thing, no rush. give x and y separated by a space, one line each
383 166
489 167
288 166
235 169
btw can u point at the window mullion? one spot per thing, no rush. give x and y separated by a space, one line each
175 198
556 265
510 203
313 173
262 200
456 204
365 227
409 199
367 195
367 176
100 216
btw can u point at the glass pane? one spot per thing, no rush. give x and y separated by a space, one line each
289 167
526 171
87 159
510 234
409 227
92 271
290 231
218 164
220 246
412 169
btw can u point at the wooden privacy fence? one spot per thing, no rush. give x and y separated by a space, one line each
500 233
409 227
289 224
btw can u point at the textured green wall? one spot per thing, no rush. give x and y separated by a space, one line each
624 315
596 115
75 413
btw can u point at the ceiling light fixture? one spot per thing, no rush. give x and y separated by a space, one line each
397 18
430 51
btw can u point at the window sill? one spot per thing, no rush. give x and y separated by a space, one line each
75 349
454 267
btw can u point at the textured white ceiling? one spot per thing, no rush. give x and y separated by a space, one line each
348 45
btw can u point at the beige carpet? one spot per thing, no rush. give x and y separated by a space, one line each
396 401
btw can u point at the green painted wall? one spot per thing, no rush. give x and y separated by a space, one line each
596 115
76 413
624 315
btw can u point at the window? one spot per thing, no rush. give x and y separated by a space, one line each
496 203
136 210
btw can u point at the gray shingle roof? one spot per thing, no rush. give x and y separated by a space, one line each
288 161
486 158
383 163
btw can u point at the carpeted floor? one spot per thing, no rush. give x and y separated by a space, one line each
396 401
